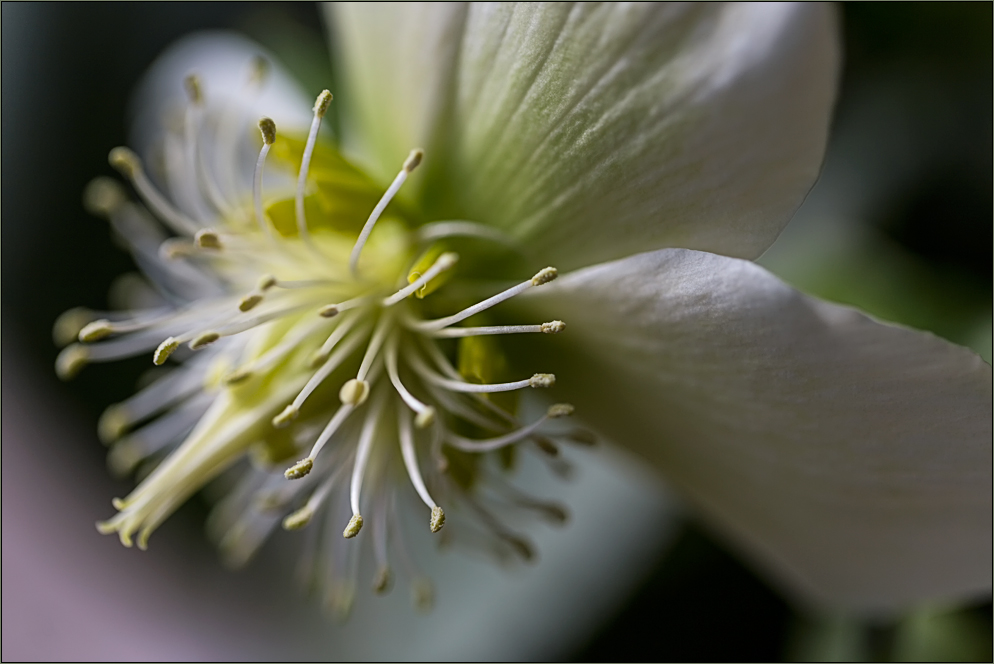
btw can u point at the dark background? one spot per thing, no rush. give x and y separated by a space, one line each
66 106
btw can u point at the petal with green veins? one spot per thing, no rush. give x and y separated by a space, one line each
589 132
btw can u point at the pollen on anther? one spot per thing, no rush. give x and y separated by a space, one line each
553 327
542 380
355 525
560 410
437 519
544 276
268 129
95 331
249 302
299 469
298 519
322 103
204 340
164 350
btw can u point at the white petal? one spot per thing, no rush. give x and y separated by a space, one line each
592 131
849 457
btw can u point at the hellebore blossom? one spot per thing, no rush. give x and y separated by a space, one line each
355 320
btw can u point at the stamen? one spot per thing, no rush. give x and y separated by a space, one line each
203 340
363 450
320 108
383 577
538 380
439 230
71 360
69 324
103 196
382 327
445 261
130 166
165 349
268 129
332 310
321 354
553 327
207 239
426 414
542 277
490 444
333 362
303 516
95 331
414 472
410 164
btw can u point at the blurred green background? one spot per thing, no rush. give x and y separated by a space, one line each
900 225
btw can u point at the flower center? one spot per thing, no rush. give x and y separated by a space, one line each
350 345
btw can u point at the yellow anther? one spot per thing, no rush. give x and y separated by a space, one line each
203 340
113 423
103 196
266 282
544 276
298 519
268 129
425 418
560 410
193 89
67 326
207 239
248 302
355 525
175 247
125 161
553 327
322 103
354 392
542 380
328 311
299 469
95 331
381 582
71 360
237 377
288 415
164 350
437 519
413 159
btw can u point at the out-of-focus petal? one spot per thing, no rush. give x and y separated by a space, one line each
850 457
234 99
590 132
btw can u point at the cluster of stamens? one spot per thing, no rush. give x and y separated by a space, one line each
266 326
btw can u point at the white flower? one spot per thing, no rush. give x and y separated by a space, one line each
850 458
